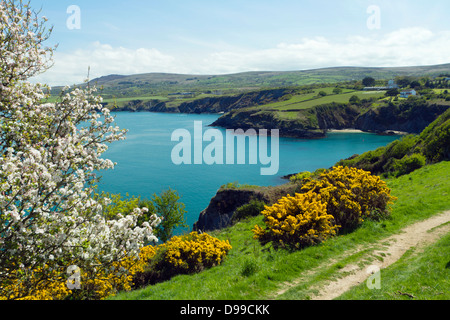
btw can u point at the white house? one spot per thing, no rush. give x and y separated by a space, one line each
408 93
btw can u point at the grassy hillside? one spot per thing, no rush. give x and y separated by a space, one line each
162 84
254 272
409 153
313 111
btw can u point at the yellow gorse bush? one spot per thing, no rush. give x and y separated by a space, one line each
296 221
339 198
351 194
193 252
96 283
17 288
182 254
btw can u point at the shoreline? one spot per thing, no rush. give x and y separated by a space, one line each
345 131
387 132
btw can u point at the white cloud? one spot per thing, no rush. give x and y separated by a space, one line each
103 59
403 47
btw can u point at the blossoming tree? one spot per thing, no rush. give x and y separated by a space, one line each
50 217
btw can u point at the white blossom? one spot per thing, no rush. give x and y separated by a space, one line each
49 153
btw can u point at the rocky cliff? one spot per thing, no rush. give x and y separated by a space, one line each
242 112
223 205
228 103
219 104
410 116
148 106
249 119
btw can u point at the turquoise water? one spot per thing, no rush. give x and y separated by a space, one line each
144 163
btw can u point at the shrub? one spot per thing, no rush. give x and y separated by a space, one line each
185 254
409 164
299 177
249 267
94 284
166 206
435 139
351 195
171 210
354 100
296 222
251 209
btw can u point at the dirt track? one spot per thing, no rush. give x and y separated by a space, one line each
416 235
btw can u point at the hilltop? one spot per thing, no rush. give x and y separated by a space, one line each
301 104
162 84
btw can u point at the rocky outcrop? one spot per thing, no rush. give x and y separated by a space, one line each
336 116
220 211
223 205
411 116
242 112
147 106
251 119
228 103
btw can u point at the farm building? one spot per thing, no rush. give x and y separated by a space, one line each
408 93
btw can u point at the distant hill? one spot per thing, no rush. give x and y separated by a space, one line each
124 86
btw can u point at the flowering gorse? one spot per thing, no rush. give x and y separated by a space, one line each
193 252
96 283
352 195
49 153
296 222
337 200
184 254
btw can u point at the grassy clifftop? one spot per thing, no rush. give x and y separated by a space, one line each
254 272
410 153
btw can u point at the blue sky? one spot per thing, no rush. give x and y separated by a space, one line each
213 37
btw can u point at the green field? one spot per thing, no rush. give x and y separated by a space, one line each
161 84
308 101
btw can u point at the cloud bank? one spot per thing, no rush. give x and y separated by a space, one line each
403 47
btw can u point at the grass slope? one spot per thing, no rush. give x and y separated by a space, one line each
154 84
419 275
254 272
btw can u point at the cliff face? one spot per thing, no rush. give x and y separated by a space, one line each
226 104
411 117
249 119
148 106
241 112
336 116
210 104
223 205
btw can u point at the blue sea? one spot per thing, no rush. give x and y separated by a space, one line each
145 166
